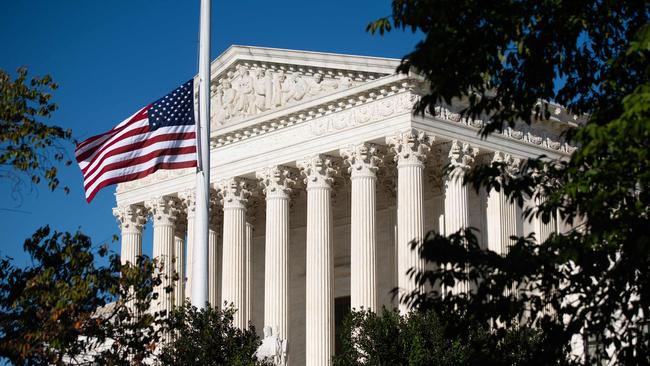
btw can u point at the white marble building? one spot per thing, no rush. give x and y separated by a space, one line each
322 176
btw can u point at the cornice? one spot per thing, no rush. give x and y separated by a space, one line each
306 59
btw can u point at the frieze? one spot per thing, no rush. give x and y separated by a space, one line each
522 133
363 114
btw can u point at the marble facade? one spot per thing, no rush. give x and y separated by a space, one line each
321 177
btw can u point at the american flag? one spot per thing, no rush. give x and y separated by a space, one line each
161 135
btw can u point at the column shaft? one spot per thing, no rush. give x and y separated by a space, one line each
179 267
234 245
410 223
247 274
234 197
456 205
189 252
319 299
163 251
319 312
276 265
543 230
363 256
503 221
213 269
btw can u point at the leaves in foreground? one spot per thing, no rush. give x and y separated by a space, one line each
66 309
208 337
29 148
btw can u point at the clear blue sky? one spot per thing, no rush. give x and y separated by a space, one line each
110 58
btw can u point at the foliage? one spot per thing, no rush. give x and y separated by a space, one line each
27 145
64 309
424 338
502 58
207 337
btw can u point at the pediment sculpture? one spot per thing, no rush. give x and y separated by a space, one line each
247 91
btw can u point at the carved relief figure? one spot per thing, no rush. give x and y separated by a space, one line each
228 99
278 80
246 95
318 86
300 87
288 88
267 86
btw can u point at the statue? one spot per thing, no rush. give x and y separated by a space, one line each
272 348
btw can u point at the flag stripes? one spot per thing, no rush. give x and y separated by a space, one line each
136 148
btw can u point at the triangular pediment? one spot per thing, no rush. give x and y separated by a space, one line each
249 82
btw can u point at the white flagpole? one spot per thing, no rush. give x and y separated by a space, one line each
200 251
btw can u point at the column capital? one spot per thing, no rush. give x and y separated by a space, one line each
234 192
363 159
318 171
163 209
461 158
512 163
188 201
131 218
410 147
277 181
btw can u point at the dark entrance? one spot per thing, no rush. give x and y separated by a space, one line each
341 310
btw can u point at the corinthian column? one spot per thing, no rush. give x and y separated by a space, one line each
363 160
410 148
131 219
164 213
234 197
189 205
461 158
277 182
320 261
503 217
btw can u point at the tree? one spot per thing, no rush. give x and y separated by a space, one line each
64 309
208 337
424 338
29 147
505 60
